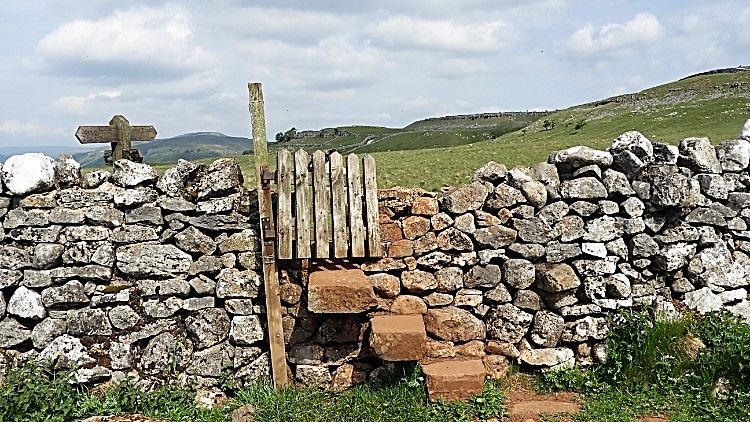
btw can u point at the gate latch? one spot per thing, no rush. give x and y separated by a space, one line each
266 177
268 233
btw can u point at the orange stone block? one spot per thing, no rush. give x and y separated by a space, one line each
398 337
454 380
339 292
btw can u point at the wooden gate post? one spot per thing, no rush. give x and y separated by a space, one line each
270 275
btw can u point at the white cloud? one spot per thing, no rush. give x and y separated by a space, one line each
78 104
14 127
448 35
128 44
644 28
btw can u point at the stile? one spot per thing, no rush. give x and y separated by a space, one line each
339 202
302 204
285 231
371 207
356 225
322 204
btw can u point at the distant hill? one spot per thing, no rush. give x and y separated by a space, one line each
190 146
51 150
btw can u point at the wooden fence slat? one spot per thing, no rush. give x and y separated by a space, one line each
356 224
285 224
371 207
339 201
322 205
302 204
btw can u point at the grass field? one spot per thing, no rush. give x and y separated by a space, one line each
426 156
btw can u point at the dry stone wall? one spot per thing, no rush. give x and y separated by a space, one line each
129 274
157 278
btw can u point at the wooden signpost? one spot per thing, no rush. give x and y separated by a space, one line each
265 206
120 134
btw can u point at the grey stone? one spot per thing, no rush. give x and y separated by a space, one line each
633 207
603 229
67 171
246 330
14 258
144 214
588 171
175 204
706 216
557 252
207 327
105 216
174 180
529 251
212 361
123 317
665 153
449 279
554 212
487 276
193 240
88 322
499 294
528 299
504 196
553 358
674 256
495 236
631 151
491 172
580 156
453 239
556 278
546 329
135 197
246 240
28 173
19 217
507 323
130 174
533 230
617 183
714 185
26 303
584 208
519 273
222 177
418 281
65 352
465 223
156 308
35 234
643 245
596 267
233 283
745 131
12 333
598 250
698 155
46 331
585 329
703 301
66 296
583 188
94 179
145 260
313 376
535 193
166 352
714 267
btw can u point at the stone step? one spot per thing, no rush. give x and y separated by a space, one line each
398 337
454 380
339 291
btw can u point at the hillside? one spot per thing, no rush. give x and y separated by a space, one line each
434 132
191 146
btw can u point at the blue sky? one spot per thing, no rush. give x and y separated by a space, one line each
184 66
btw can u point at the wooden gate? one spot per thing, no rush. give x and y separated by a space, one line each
325 209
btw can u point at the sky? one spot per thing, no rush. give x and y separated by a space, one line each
184 66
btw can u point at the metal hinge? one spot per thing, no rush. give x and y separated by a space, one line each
268 233
266 177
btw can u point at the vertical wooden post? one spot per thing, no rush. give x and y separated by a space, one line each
122 127
270 275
